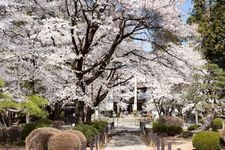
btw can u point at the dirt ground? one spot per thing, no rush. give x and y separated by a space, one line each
177 143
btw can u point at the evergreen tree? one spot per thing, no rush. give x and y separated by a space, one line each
210 16
207 89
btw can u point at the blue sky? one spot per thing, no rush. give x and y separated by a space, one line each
187 9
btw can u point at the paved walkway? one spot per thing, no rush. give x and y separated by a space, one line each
126 136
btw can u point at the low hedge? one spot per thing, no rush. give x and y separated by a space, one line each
193 127
88 130
206 140
174 130
161 128
99 125
28 128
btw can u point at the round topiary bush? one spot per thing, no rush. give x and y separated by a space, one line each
88 131
38 138
217 124
81 137
64 141
206 140
222 134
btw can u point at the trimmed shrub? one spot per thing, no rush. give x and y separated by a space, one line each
174 130
13 133
222 134
38 138
187 134
206 140
64 141
44 122
217 124
81 137
193 127
28 128
2 134
58 124
100 125
171 121
88 131
159 128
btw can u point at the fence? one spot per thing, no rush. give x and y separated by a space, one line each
98 141
154 140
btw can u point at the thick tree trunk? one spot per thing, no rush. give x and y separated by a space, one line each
208 121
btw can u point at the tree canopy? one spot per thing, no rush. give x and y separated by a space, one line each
210 16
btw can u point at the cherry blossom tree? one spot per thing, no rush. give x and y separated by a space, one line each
69 49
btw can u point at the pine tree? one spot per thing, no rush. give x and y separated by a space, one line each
210 16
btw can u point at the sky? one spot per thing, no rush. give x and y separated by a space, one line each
187 9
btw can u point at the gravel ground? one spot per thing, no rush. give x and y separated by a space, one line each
11 147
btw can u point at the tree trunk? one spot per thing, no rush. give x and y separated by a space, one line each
3 119
89 114
57 111
10 122
80 112
208 121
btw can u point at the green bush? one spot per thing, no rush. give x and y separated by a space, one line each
174 130
44 122
100 125
187 134
28 128
88 130
159 128
202 121
217 124
193 127
206 140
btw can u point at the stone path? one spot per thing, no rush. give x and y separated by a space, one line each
127 136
